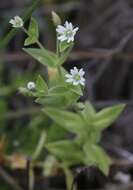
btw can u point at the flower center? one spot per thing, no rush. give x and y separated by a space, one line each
17 22
77 77
69 33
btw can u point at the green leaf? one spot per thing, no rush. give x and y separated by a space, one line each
96 156
32 32
107 116
65 54
59 96
76 89
66 151
43 56
94 136
53 101
58 90
30 40
41 85
68 120
89 109
64 45
55 133
88 113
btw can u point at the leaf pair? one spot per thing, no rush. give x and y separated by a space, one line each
94 155
70 153
60 95
33 33
66 151
87 122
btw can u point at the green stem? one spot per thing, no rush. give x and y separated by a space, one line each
58 54
40 146
69 178
57 47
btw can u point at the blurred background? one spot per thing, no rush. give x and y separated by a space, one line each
104 46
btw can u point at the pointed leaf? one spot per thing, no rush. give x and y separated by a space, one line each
65 54
58 90
68 120
30 40
64 45
107 116
66 151
32 32
43 56
41 85
77 90
96 156
88 113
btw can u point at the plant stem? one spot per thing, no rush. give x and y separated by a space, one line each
69 178
58 54
40 145
30 175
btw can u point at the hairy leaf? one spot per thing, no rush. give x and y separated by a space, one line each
96 156
66 151
43 56
32 32
107 116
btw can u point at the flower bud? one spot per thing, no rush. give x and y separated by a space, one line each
56 19
31 85
16 22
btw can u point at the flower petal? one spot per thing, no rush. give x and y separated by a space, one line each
69 80
68 76
75 83
81 72
60 29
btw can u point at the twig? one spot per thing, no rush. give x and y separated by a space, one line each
10 180
27 173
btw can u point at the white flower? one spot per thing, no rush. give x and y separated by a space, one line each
66 32
17 22
76 77
31 85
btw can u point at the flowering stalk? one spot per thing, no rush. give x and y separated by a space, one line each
58 54
58 98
